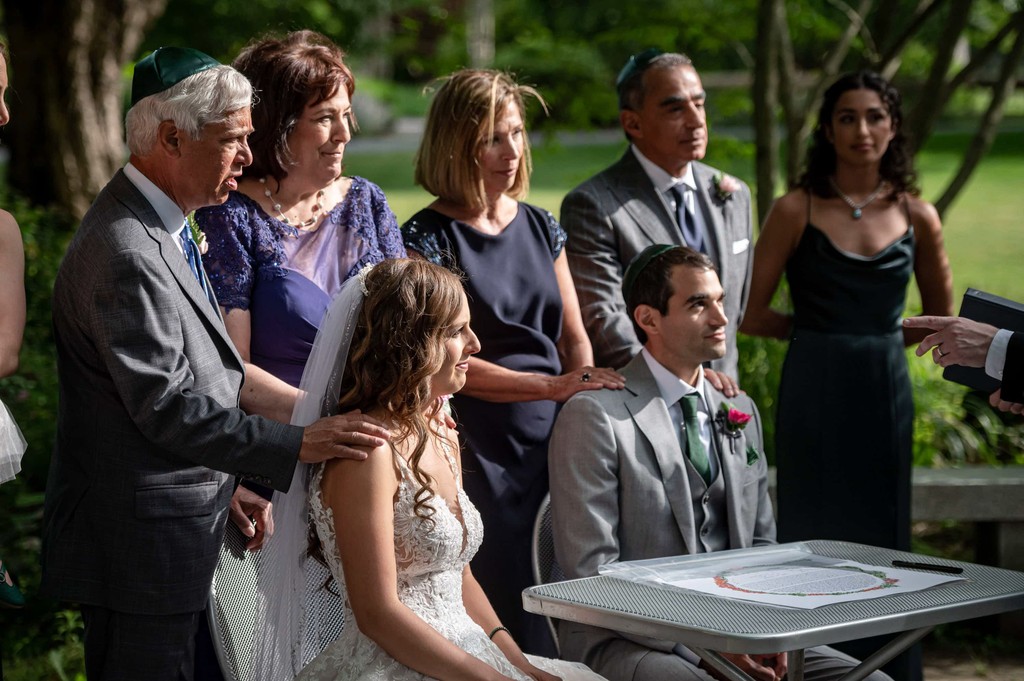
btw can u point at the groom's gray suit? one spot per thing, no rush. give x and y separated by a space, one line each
616 214
622 489
149 433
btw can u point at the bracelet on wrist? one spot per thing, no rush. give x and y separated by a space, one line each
496 629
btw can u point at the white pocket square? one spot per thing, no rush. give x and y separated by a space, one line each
740 246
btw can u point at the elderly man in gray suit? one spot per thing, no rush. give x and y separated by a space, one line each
657 193
664 467
149 433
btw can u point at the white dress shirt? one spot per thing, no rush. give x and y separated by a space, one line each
995 360
664 183
672 389
169 213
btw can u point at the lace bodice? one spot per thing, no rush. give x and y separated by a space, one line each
429 553
430 556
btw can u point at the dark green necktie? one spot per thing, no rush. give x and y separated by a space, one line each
694 447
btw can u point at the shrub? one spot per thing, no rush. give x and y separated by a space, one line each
31 394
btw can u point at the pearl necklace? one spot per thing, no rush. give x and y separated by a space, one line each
854 206
317 208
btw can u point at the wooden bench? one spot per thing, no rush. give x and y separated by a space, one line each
991 498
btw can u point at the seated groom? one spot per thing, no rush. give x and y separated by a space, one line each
664 467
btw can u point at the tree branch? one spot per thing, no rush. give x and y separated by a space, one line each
766 91
889 60
921 119
983 138
981 56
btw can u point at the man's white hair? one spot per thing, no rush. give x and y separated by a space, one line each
195 102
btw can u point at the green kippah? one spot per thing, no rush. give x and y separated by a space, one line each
639 263
167 66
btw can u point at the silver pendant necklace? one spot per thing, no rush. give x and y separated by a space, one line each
854 206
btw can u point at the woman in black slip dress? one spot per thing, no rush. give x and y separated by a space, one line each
848 238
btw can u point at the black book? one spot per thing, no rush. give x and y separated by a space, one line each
990 309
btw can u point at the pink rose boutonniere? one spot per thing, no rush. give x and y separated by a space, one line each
732 419
725 185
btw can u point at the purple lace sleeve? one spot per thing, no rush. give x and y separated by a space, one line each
388 235
230 261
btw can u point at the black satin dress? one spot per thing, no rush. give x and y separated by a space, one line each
845 417
844 435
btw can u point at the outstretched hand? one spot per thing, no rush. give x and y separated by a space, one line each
253 515
347 436
955 340
585 378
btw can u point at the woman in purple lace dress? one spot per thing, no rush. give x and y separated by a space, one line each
296 229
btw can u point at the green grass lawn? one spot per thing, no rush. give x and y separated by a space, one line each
983 227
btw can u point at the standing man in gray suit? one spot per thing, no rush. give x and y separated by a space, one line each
149 433
657 193
664 467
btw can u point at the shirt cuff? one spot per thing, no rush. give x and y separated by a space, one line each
996 357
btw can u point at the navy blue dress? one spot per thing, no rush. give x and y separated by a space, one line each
516 310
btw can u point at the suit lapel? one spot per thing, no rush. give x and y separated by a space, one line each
172 257
633 190
732 457
651 416
714 220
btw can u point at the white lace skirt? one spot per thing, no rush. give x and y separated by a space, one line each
12 445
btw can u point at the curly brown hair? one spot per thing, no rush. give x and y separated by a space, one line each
397 347
897 166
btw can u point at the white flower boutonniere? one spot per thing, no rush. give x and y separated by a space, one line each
725 185
197 234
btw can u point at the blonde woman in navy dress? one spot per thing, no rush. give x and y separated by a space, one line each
475 158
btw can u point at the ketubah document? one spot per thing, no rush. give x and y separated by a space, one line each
788 576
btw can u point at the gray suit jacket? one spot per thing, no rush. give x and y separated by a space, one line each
149 433
619 492
616 214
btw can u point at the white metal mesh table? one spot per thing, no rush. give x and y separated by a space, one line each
707 623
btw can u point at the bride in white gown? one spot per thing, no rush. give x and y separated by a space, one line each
396 529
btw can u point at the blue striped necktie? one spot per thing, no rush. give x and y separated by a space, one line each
687 222
195 261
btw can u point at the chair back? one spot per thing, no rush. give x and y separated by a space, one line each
237 614
234 606
545 566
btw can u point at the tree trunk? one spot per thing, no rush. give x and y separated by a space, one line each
480 33
921 120
378 63
801 111
766 103
986 133
67 125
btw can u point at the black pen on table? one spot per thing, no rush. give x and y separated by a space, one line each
949 569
